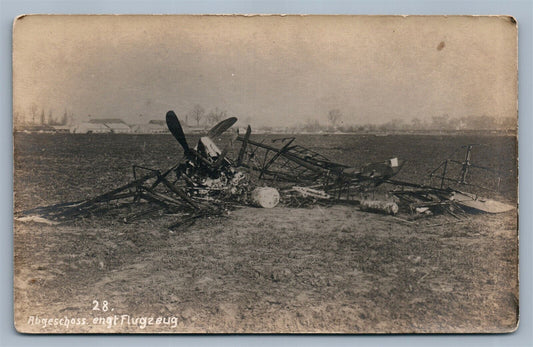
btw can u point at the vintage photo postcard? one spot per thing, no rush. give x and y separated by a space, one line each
265 174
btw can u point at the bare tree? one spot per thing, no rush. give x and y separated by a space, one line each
197 113
508 123
481 122
216 115
416 123
43 118
65 118
440 122
33 111
16 118
334 116
70 118
311 125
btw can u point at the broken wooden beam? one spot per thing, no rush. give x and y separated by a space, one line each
179 192
244 145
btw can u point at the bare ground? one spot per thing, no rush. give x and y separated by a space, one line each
318 270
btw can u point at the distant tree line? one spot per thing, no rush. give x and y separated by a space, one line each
335 123
40 117
435 123
198 113
198 116
447 123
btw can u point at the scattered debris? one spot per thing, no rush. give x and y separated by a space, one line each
36 219
386 207
208 183
266 197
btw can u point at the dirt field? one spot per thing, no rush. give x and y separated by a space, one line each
309 270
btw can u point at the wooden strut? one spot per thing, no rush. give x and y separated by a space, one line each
444 174
278 174
149 197
466 164
264 161
499 172
307 164
179 192
162 176
162 198
244 145
106 196
276 156
133 217
58 212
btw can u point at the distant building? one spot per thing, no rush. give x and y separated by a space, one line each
118 128
90 128
106 120
115 125
152 127
159 122
41 128
61 128
157 126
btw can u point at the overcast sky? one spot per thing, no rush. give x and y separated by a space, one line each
266 70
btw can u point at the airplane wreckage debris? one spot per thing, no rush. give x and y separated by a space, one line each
208 183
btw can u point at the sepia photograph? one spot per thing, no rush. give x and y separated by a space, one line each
265 174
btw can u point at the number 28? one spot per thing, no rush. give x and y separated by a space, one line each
104 308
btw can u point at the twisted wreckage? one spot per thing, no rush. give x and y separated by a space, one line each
207 182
